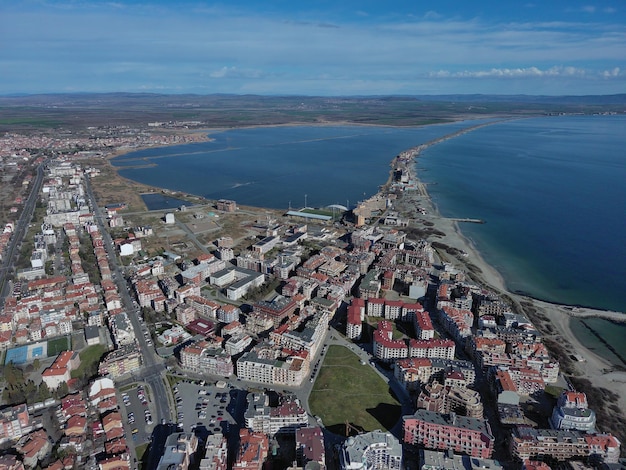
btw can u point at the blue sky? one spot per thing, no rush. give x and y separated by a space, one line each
339 47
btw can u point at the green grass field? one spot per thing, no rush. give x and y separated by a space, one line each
58 345
89 360
346 390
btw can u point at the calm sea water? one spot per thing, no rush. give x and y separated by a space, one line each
278 166
550 189
553 194
158 201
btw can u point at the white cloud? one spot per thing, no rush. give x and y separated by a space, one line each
615 72
526 72
234 72
432 15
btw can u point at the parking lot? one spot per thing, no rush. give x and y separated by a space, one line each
207 409
136 406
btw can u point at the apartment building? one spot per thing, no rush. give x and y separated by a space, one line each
438 431
561 445
285 418
374 450
205 357
572 412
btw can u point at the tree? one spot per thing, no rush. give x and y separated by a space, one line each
11 374
62 390
44 392
36 364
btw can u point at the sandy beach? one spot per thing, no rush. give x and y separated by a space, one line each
552 320
590 372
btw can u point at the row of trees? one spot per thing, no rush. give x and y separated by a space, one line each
19 389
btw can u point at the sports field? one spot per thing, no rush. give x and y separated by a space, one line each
58 345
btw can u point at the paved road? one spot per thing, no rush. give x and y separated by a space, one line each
21 228
192 236
153 370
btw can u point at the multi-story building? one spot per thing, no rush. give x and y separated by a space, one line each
450 399
278 309
121 361
14 422
432 348
226 205
370 285
531 443
572 412
216 453
179 451
434 430
206 308
252 451
205 357
310 447
287 417
385 347
423 325
228 313
374 450
275 369
60 370
433 460
354 323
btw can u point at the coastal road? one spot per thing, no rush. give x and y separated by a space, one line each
153 370
12 250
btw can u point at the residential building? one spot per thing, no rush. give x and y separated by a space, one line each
252 451
434 460
216 453
438 431
561 445
374 450
572 412
205 357
179 450
310 447
284 418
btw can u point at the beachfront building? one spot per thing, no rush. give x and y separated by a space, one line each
438 431
374 450
560 445
572 412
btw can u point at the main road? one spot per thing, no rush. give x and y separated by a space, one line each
12 251
153 370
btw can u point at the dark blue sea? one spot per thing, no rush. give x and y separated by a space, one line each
551 189
277 166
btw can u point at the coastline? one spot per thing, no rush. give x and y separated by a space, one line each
552 320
